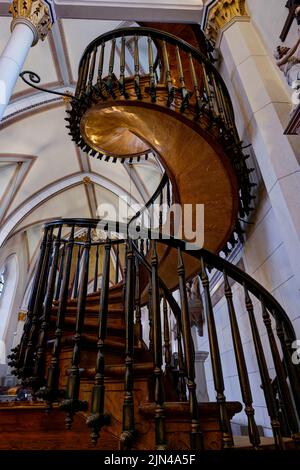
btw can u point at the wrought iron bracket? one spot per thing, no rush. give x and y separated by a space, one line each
34 78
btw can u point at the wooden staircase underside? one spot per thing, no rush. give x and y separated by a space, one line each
196 164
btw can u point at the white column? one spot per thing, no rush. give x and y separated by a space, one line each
265 105
12 61
200 379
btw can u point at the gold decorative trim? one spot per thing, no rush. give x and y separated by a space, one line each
22 316
35 14
86 180
221 14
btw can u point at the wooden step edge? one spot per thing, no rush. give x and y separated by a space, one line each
182 409
266 443
140 369
73 310
90 339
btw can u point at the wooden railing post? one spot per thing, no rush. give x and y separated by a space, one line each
241 366
264 374
196 436
37 309
72 403
52 391
160 435
38 378
137 300
216 360
28 322
98 418
128 427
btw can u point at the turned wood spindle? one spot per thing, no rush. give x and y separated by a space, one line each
52 391
128 426
97 418
227 439
196 437
241 366
264 374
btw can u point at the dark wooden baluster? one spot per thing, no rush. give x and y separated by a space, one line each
77 272
137 86
183 90
142 248
72 404
95 284
225 111
150 320
167 341
181 364
85 73
80 84
137 300
37 309
52 392
40 365
28 322
117 265
168 194
216 361
98 419
125 273
92 70
170 87
100 68
208 91
79 80
280 373
128 428
122 68
196 438
293 373
264 374
241 367
152 88
199 102
160 434
61 272
218 98
110 80
160 218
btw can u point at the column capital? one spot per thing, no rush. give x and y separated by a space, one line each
220 14
35 14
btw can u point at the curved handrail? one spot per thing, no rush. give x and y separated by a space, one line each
163 182
157 34
211 259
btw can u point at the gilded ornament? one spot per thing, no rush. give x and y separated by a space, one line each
221 14
33 13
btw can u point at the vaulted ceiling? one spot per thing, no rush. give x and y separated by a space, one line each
43 175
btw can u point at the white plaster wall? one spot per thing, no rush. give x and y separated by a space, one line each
16 246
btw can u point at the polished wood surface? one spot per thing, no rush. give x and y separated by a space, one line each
195 162
31 426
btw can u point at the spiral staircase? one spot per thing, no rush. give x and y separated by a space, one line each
83 351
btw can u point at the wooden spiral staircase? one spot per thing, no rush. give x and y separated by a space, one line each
83 351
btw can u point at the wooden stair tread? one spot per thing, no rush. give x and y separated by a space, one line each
243 442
